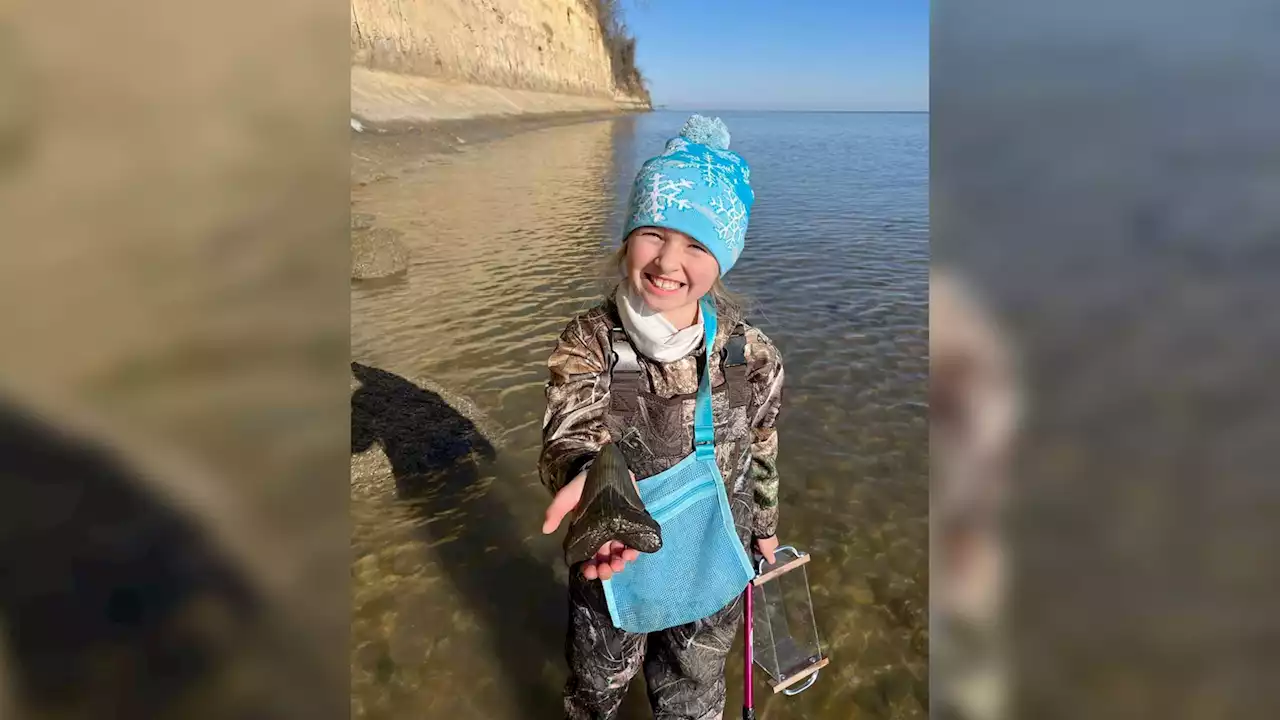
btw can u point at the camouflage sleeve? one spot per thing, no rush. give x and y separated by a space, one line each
577 393
765 376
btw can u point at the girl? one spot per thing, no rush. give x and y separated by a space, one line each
695 424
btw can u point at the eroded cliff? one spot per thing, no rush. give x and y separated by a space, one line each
423 52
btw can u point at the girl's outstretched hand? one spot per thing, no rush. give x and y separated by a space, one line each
612 557
766 546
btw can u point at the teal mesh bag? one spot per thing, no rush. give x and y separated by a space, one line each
702 566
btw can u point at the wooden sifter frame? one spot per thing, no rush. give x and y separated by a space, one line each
807 673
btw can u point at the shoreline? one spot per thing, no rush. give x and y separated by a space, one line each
443 136
398 117
391 103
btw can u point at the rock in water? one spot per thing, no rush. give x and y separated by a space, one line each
610 509
378 253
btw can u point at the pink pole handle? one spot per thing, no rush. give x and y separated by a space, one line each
748 694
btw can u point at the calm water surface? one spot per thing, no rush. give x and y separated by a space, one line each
459 603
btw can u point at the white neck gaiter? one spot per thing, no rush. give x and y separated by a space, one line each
652 334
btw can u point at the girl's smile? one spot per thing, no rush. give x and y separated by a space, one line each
663 286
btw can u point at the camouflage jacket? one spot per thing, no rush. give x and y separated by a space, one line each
653 424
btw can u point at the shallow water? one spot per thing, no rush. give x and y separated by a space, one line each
459 603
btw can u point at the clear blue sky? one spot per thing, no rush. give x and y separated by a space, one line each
783 54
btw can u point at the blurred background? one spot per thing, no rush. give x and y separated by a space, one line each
174 342
1104 176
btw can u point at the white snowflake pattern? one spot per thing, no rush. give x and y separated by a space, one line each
712 171
731 215
713 167
736 164
661 194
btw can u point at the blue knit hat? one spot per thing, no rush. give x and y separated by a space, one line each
699 187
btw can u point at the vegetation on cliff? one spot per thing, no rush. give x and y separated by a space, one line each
621 46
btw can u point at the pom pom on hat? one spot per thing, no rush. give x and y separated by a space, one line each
706 131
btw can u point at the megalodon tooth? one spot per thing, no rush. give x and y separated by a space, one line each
610 509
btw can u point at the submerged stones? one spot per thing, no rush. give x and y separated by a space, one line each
377 253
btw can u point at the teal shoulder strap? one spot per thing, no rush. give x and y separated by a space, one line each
704 431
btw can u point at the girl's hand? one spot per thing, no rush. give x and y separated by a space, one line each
612 557
766 546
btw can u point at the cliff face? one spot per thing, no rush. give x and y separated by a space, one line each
548 46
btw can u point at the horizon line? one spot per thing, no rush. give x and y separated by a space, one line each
688 108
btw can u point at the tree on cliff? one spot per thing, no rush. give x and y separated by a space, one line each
621 46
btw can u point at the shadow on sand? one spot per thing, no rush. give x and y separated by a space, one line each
115 603
437 456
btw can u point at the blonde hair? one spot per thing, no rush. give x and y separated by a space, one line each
731 307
